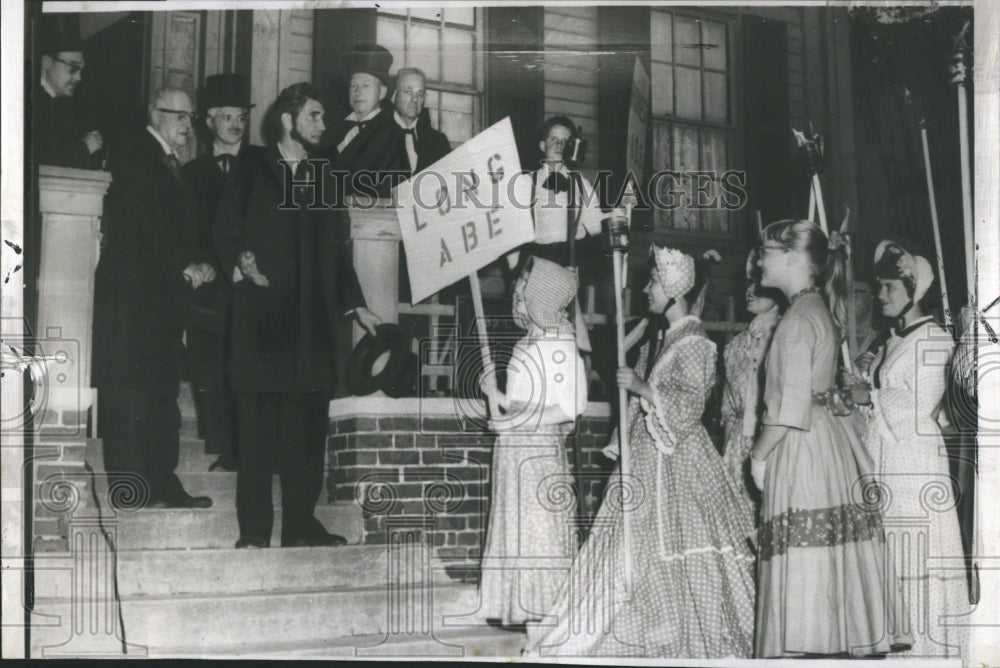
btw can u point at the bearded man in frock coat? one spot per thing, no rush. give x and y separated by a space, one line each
292 278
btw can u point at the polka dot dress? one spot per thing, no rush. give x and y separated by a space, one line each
691 587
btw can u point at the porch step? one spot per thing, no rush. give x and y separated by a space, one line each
216 527
238 622
221 572
484 643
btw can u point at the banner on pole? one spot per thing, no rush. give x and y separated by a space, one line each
464 211
638 122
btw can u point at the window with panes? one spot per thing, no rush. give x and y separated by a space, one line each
446 43
693 120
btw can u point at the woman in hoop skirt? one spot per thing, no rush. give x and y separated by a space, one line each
691 592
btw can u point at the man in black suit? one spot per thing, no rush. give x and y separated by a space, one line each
145 277
58 135
421 144
292 276
368 139
226 101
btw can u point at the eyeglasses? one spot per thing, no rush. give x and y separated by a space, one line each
72 67
556 141
181 115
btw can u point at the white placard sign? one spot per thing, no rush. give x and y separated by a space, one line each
638 121
464 211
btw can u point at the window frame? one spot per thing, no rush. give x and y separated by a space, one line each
731 128
477 91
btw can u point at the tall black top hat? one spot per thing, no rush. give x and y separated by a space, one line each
371 59
225 90
58 33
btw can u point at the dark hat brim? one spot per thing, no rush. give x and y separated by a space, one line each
358 373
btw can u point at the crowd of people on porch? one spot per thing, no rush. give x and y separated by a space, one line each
776 547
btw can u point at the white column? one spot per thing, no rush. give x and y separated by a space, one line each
71 202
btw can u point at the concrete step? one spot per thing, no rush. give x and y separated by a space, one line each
216 527
144 573
238 623
493 643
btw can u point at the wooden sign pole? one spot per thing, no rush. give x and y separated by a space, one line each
484 344
624 468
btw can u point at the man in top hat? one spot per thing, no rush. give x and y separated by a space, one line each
59 137
367 139
293 278
225 102
148 270
421 144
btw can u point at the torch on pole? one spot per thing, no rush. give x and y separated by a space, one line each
615 238
932 200
813 147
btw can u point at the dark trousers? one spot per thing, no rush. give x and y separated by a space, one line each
288 429
216 408
141 434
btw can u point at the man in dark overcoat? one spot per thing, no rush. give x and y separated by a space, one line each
225 101
147 272
368 139
293 277
419 143
58 134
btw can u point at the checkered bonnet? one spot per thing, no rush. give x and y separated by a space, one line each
673 270
550 289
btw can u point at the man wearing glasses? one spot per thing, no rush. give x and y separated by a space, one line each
59 136
148 270
226 102
421 144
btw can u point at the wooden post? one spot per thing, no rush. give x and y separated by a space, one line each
484 344
624 468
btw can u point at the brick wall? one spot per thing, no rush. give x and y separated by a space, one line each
61 482
437 469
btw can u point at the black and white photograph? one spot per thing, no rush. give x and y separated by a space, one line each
548 332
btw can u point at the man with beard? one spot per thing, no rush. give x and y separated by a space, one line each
57 131
368 139
292 278
226 101
142 286
421 144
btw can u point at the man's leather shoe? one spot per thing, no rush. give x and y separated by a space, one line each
182 499
252 543
223 464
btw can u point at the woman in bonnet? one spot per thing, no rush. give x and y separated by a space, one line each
691 591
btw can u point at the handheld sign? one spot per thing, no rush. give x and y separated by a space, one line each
464 211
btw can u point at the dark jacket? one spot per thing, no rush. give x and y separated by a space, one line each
431 145
57 133
210 303
375 148
282 335
140 294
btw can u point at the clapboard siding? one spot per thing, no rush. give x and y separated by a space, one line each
295 55
571 74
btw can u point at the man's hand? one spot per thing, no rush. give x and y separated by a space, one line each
194 275
864 361
248 267
94 141
368 320
208 271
